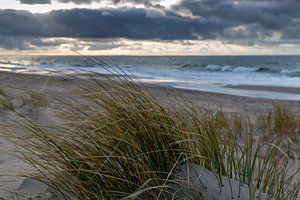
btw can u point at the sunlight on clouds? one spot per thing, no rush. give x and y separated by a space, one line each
168 3
42 8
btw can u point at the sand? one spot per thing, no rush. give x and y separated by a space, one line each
204 182
23 91
287 90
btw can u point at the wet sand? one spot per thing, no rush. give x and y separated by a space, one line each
287 90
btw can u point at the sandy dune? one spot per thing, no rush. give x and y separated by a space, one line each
35 96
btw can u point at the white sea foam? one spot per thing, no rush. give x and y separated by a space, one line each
214 67
227 68
245 69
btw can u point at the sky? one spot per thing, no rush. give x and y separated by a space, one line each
150 27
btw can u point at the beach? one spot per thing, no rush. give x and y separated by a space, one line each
67 86
149 99
35 96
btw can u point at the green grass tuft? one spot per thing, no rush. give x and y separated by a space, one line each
128 145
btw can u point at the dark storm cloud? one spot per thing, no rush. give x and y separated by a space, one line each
258 17
107 23
246 22
26 43
12 43
147 3
139 2
78 1
35 1
221 19
61 1
32 43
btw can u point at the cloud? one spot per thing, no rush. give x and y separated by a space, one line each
198 19
249 18
147 3
78 1
31 43
243 22
150 3
13 43
31 2
107 23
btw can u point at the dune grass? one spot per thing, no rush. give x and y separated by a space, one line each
128 145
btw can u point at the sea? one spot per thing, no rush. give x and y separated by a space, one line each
203 73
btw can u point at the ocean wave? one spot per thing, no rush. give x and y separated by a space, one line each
6 63
185 66
192 66
214 67
242 69
291 73
50 63
247 69
229 68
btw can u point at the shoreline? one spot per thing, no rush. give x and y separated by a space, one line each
66 86
280 93
280 89
257 88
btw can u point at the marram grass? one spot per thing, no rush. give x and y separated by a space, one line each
127 145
